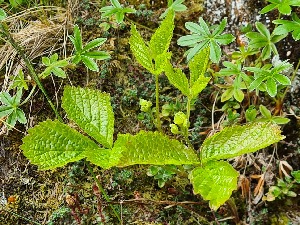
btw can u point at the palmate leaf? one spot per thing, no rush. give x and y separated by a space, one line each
237 140
215 182
153 148
53 144
92 111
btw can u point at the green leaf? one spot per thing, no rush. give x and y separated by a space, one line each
90 63
94 43
2 14
5 110
198 65
237 140
19 81
227 94
271 87
265 112
204 36
52 144
77 38
140 50
153 148
238 95
280 120
161 39
21 116
296 175
177 78
268 8
105 158
99 55
215 182
199 85
92 111
215 52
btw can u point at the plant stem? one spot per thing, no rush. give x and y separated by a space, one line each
186 129
102 190
28 97
158 122
34 76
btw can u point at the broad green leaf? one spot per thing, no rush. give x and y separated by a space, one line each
198 65
215 182
140 50
215 52
161 39
105 158
237 140
52 144
238 95
280 120
153 148
177 78
227 94
92 111
265 112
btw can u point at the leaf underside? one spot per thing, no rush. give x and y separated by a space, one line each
53 144
92 111
237 140
153 148
214 182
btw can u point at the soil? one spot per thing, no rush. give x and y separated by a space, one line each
30 196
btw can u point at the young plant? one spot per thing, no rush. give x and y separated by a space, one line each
267 78
85 53
204 36
283 6
117 10
286 26
190 88
263 39
153 56
52 144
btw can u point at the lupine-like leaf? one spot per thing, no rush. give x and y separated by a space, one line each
92 111
153 148
140 50
53 144
214 182
161 39
237 140
177 78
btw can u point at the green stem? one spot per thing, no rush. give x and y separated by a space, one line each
186 129
28 97
29 65
158 122
102 190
